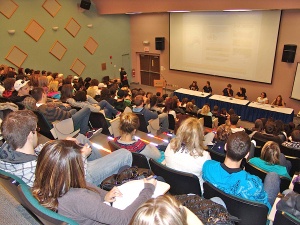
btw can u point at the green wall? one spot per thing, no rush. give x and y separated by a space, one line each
112 32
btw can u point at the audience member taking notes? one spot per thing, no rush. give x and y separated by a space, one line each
60 186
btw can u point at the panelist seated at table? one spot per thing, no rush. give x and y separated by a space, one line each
207 88
262 98
278 102
241 94
194 86
228 91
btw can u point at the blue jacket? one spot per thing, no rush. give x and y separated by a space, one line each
240 184
262 164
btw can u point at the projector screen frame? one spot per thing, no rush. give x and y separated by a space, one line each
223 76
295 77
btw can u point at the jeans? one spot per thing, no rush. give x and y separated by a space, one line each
284 162
163 122
81 120
272 186
101 168
108 108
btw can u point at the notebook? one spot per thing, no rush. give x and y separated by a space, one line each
132 189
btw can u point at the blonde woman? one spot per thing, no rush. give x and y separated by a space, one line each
129 123
205 111
272 160
186 152
164 210
53 90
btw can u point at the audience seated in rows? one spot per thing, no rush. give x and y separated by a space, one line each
18 155
81 100
53 113
231 179
139 108
268 134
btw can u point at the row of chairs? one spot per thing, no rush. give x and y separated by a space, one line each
293 155
97 120
185 183
178 180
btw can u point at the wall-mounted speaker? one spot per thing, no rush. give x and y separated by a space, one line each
85 4
289 52
160 43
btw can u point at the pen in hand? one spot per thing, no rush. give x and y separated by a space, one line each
151 177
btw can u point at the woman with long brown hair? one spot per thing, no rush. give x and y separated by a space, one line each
60 186
272 160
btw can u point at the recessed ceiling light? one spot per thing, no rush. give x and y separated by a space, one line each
179 11
133 13
237 10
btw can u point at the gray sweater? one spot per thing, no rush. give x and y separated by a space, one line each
86 207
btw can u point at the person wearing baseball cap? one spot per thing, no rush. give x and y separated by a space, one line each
21 95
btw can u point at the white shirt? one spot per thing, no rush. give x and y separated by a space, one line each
183 161
262 100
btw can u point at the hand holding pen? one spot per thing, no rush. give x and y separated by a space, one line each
112 194
151 180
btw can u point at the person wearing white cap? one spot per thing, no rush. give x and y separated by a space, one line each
21 95
100 86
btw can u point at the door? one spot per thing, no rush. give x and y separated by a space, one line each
150 69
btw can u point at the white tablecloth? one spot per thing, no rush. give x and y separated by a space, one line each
191 92
270 108
229 99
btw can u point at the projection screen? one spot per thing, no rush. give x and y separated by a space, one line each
239 45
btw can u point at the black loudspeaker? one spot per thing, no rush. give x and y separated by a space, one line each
289 52
85 4
160 43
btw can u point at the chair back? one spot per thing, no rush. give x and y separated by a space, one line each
140 160
284 182
113 146
295 164
44 125
10 182
180 182
247 211
283 218
171 122
221 120
259 142
143 123
4 113
47 216
114 128
217 156
208 121
290 151
127 109
63 129
97 120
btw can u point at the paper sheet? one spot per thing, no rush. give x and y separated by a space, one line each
132 189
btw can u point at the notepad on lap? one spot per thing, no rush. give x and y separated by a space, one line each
132 189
